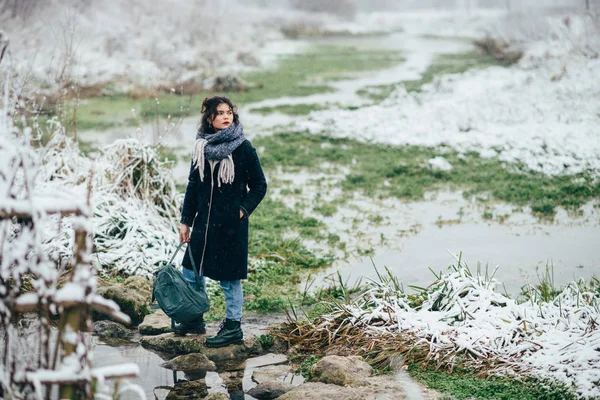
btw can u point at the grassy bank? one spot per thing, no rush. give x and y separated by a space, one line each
464 384
295 75
431 333
442 65
404 172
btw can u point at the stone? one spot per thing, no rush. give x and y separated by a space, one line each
188 390
193 362
277 373
141 284
227 358
217 396
379 387
111 329
233 381
131 302
155 323
270 390
319 390
342 371
267 359
171 343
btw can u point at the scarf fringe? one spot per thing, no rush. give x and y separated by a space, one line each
226 172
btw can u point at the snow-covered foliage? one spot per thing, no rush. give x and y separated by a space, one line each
133 43
33 202
550 35
135 204
136 209
461 318
543 114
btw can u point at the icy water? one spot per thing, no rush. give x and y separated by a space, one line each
153 376
522 247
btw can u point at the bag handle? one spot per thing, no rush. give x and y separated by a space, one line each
191 259
196 273
176 251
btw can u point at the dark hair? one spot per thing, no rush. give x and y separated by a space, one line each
209 110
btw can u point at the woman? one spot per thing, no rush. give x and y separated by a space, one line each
226 183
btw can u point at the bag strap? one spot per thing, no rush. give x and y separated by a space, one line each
176 251
196 273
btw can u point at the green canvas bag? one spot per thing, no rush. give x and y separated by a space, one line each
176 296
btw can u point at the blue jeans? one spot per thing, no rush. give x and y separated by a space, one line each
234 295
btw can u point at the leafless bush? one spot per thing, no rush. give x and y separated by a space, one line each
499 49
19 8
341 8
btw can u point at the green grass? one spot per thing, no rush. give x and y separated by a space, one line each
464 385
295 75
442 65
403 172
273 281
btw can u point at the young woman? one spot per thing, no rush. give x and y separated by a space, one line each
226 183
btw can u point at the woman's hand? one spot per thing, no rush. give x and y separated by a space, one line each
241 214
184 233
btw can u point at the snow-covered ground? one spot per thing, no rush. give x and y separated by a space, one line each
544 112
140 43
462 318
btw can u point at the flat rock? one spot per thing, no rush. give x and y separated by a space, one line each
155 323
270 390
320 391
267 359
111 329
277 373
188 390
342 371
233 381
380 388
141 285
217 396
194 362
234 355
130 301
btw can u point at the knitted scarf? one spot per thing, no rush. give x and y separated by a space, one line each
218 147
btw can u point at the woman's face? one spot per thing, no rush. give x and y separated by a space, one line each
223 117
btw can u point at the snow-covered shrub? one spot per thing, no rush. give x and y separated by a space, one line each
461 318
38 358
544 35
134 204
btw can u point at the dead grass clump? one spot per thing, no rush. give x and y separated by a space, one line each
499 49
136 171
229 83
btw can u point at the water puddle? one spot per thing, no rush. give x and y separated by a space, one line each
521 246
155 379
233 380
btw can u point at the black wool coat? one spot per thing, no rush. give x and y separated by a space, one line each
219 239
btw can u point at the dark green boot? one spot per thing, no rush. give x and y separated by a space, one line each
196 327
230 333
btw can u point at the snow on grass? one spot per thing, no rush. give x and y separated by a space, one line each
546 117
140 43
460 318
134 200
